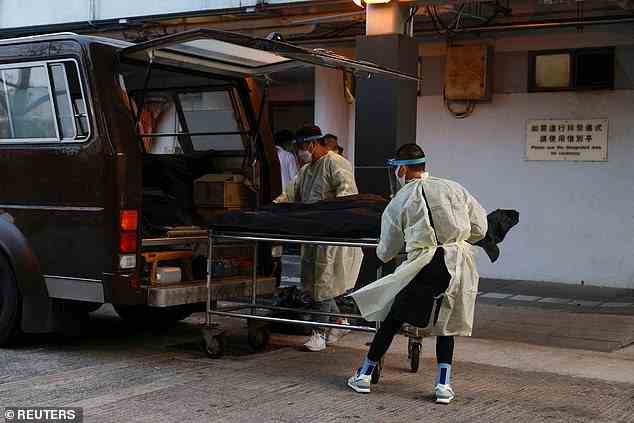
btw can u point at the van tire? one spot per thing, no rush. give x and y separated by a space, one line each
145 316
9 304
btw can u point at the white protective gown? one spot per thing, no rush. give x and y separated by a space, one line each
327 272
288 166
458 218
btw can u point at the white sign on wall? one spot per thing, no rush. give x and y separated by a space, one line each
574 139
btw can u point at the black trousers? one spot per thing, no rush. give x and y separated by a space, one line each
390 327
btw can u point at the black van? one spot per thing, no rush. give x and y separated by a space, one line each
100 144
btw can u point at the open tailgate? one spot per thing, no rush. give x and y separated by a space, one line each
241 55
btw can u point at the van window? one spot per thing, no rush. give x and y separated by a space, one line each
213 120
159 118
42 103
27 110
71 109
212 112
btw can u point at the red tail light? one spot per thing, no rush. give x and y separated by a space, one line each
129 220
128 242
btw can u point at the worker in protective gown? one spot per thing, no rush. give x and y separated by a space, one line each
435 287
327 271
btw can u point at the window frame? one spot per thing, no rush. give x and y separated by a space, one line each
239 116
54 107
573 52
532 70
612 67
238 111
68 97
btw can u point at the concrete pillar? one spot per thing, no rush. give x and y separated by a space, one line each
332 112
385 108
385 114
381 19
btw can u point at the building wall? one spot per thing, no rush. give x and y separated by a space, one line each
17 13
332 113
576 218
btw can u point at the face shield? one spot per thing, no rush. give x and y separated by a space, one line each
393 168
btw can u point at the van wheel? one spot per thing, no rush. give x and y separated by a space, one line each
9 304
152 316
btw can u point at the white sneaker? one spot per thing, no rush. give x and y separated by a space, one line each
444 394
317 341
335 334
360 383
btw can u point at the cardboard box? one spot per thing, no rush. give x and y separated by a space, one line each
224 191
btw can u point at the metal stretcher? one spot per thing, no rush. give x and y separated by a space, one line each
256 314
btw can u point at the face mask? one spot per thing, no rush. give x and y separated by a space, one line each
305 156
400 179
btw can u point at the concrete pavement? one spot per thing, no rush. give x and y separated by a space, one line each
581 298
121 375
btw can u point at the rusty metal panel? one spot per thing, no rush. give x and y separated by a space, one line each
467 72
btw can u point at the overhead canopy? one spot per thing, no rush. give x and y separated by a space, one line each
241 55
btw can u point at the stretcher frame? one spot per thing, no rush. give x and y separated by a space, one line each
258 331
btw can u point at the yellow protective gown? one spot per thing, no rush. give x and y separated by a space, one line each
458 218
327 272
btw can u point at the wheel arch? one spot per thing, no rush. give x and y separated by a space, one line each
25 265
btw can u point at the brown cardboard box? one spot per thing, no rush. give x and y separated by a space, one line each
221 191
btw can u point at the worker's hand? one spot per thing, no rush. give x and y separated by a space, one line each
282 198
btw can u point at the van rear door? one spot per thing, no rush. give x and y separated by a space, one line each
244 56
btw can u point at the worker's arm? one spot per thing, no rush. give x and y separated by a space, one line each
392 236
289 195
342 180
477 217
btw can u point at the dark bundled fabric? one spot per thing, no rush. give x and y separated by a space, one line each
500 223
294 298
415 303
354 216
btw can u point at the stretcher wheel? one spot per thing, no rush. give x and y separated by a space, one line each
414 356
376 374
259 336
215 346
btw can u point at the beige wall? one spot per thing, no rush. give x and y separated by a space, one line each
576 220
332 113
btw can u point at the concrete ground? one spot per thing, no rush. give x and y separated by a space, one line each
119 374
570 316
548 295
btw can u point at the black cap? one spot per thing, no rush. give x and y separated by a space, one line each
308 133
283 137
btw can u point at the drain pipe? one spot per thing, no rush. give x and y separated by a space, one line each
536 25
518 26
